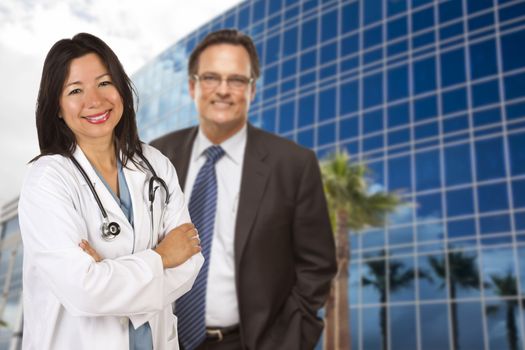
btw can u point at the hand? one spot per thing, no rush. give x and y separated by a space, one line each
86 247
179 245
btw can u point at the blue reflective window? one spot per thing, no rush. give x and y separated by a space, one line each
275 6
400 47
515 110
397 28
431 231
376 175
452 67
423 39
517 155
454 100
460 202
329 71
270 75
492 197
290 41
490 162
309 4
374 238
512 50
308 60
326 134
327 104
425 75
449 10
480 22
515 86
402 325
417 3
306 138
434 331
457 165
422 19
399 268
348 128
373 90
485 93
426 130
373 36
461 228
511 12
269 119
430 288
518 193
398 115
399 174
483 59
289 68
328 53
371 143
451 30
397 83
307 78
309 33
429 207
373 11
373 55
268 93
287 85
398 137
258 10
348 97
286 116
329 23
400 235
494 224
457 123
469 324
306 110
488 116
349 45
425 108
244 17
427 170
351 17
395 7
372 121
478 5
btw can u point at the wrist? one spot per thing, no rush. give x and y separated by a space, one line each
162 258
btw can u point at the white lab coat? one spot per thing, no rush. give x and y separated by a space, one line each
71 302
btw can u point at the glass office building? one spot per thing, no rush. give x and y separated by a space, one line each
431 95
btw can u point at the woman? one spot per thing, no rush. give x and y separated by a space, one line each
103 261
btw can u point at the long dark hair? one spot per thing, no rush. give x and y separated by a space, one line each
54 136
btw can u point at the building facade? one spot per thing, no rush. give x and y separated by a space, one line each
431 96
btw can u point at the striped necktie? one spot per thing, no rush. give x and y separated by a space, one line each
190 308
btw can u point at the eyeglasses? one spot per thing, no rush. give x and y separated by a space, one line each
212 81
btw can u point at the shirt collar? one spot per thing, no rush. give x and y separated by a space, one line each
233 146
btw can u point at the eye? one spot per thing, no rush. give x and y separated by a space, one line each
105 83
209 78
74 92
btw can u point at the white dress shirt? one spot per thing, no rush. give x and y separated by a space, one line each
221 298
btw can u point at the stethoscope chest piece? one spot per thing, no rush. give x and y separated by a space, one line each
110 230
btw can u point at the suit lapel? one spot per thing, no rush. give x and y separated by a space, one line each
181 157
253 184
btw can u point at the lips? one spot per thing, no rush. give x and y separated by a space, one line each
222 104
98 118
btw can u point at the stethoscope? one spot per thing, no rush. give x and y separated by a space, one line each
111 229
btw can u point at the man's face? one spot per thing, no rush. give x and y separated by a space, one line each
222 90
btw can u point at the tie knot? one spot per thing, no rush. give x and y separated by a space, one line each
214 153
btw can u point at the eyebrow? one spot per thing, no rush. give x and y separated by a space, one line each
79 82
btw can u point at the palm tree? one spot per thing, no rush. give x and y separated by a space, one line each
352 208
397 276
463 272
506 286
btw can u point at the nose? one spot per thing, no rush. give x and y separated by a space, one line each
93 98
223 88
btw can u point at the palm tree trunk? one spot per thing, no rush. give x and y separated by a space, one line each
342 324
382 320
454 316
329 320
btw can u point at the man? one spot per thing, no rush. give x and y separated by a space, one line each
272 252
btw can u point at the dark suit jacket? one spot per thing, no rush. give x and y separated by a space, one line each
284 246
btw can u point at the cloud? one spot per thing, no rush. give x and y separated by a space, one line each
136 30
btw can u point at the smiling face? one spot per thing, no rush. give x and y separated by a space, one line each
222 110
90 104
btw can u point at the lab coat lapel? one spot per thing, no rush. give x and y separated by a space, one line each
253 184
110 205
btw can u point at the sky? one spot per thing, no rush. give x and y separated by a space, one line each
136 30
